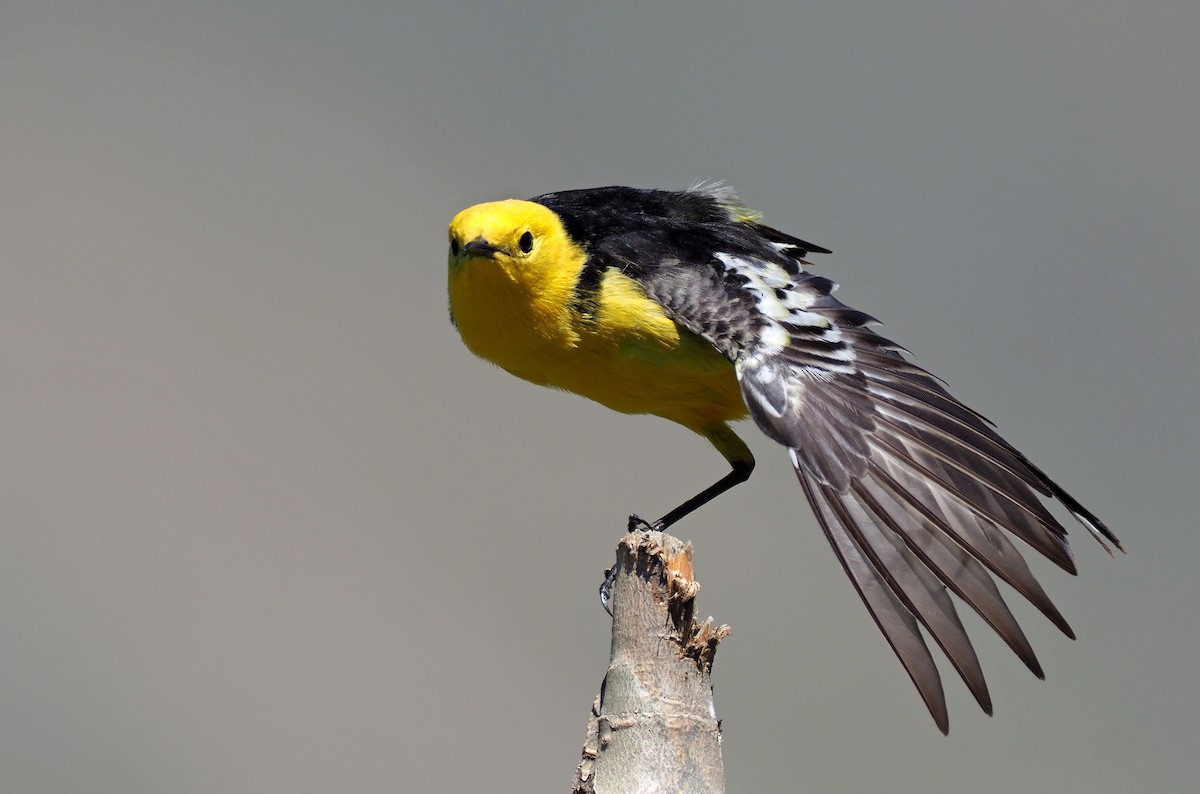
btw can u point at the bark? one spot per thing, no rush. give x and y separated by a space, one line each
653 727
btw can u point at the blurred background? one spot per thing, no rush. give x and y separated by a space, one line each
269 527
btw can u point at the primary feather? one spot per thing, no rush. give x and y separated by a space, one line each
683 305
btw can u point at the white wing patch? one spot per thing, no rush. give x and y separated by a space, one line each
781 301
775 338
785 304
767 275
774 385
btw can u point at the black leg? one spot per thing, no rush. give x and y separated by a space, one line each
740 473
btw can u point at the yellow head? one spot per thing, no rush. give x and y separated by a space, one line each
512 269
520 239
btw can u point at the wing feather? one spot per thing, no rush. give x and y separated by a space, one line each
913 583
917 494
952 564
894 620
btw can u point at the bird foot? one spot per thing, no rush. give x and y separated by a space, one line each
610 576
639 524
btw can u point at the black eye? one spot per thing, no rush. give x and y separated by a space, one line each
526 242
453 246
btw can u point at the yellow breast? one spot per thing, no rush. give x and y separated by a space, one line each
625 352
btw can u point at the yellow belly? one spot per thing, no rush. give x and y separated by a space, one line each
628 354
684 380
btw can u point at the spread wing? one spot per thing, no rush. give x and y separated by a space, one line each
916 493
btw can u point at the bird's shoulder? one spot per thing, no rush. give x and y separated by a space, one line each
692 225
701 254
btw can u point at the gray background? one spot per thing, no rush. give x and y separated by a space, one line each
269 527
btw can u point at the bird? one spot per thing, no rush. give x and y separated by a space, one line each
683 304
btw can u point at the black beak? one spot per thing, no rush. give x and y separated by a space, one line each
480 247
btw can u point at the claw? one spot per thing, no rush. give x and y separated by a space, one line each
610 576
639 524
